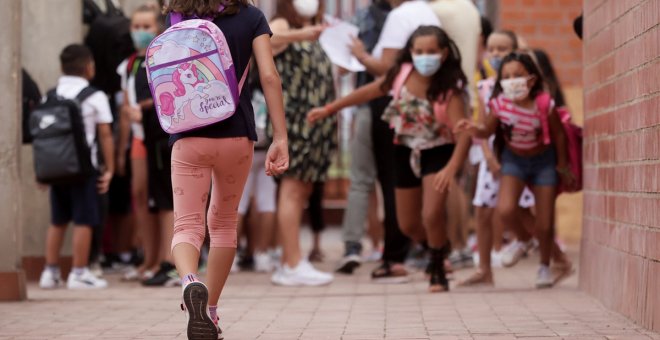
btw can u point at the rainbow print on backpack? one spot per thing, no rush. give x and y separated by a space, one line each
192 77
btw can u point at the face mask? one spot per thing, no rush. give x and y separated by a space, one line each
427 64
515 88
495 62
142 39
306 8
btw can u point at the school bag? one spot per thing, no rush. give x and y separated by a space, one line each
60 150
31 98
192 76
573 139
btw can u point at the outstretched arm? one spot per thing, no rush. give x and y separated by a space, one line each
456 112
363 94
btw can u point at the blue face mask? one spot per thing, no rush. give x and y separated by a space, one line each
495 62
142 39
427 64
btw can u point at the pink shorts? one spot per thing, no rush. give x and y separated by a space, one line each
138 150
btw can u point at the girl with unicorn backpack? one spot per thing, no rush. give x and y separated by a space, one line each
194 70
429 98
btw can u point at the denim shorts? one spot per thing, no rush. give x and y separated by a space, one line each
533 170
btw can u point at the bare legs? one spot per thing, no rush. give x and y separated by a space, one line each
293 197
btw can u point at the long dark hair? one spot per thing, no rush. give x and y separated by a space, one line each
450 76
206 8
529 65
287 11
551 80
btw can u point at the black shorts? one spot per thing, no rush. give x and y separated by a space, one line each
77 202
159 174
433 160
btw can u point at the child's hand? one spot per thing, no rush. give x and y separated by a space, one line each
567 178
135 113
465 125
358 49
103 182
494 166
312 33
442 180
317 114
277 158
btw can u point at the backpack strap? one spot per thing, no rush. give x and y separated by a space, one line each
85 93
176 17
400 80
543 102
131 65
440 108
244 77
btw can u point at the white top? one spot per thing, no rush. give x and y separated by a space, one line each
402 22
128 85
95 109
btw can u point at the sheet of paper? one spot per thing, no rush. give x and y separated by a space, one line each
336 40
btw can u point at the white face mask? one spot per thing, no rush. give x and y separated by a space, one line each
306 8
515 88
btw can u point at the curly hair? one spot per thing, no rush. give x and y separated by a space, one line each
206 8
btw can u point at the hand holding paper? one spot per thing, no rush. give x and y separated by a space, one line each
337 41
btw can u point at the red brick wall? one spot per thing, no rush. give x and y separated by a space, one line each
621 237
548 24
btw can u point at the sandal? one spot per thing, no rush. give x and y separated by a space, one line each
477 279
389 273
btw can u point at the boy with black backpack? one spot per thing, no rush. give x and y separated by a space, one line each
66 129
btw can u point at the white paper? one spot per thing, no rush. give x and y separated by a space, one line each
336 41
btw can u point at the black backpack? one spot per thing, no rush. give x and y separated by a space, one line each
109 39
61 152
31 98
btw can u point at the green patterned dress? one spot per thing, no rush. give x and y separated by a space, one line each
307 83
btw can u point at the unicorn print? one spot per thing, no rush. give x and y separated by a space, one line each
185 79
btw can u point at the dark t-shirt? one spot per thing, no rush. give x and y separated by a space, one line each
152 130
239 30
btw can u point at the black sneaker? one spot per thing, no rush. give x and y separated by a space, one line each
165 277
195 303
351 259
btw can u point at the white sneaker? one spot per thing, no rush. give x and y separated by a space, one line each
302 275
374 256
96 269
263 263
544 277
195 304
515 251
131 274
496 259
50 280
86 280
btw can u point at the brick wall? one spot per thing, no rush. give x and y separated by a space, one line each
548 24
621 233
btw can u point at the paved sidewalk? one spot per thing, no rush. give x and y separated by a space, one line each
350 308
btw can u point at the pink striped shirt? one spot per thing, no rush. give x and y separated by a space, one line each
522 127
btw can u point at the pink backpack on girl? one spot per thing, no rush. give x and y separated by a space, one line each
191 75
573 139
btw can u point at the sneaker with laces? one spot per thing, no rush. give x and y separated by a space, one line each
351 259
514 252
304 274
544 277
50 280
200 326
86 280
263 263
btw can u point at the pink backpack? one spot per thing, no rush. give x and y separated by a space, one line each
439 107
573 139
191 75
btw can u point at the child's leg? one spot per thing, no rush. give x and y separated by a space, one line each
315 210
375 230
266 208
230 172
433 214
485 231
166 223
408 203
191 180
145 223
545 209
293 196
54 240
82 243
507 203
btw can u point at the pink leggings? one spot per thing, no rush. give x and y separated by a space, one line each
196 163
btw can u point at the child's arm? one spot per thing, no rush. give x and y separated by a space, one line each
363 94
283 34
108 152
559 140
456 112
124 136
480 130
277 160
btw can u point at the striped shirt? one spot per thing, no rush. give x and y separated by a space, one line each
522 127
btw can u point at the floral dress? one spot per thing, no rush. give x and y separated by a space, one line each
307 82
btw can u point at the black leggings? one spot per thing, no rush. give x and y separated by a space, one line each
315 208
397 244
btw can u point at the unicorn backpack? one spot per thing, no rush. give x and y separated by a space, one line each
191 75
